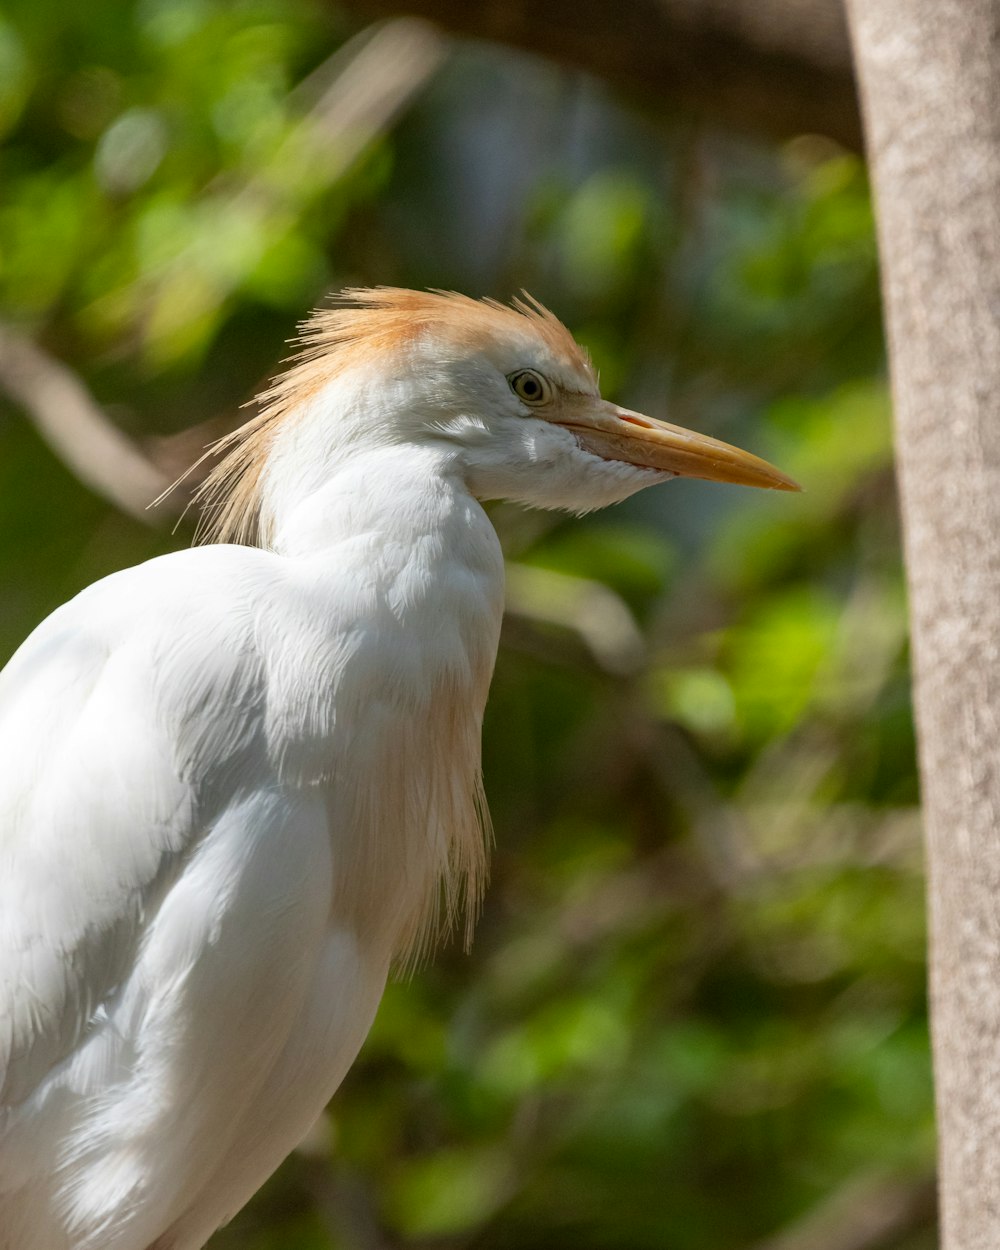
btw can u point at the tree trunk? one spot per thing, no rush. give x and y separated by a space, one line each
930 83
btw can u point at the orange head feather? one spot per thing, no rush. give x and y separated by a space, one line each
363 325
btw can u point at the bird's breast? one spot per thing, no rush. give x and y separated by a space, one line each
376 698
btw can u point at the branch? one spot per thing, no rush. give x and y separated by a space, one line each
776 67
347 103
590 609
354 96
868 1212
76 428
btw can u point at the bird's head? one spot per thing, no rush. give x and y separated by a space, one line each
504 393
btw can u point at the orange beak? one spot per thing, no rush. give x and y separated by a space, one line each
617 434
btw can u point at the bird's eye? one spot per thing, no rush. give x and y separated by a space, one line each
530 387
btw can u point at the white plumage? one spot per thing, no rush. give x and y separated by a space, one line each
239 781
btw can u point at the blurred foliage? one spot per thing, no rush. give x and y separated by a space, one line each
694 1013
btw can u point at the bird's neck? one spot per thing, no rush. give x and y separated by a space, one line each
395 551
391 491
394 535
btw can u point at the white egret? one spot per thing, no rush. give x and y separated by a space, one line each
239 781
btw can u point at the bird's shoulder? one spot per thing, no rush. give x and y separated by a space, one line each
199 586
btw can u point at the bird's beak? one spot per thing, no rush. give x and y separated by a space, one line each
618 434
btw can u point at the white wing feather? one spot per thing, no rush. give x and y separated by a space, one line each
162 898
96 813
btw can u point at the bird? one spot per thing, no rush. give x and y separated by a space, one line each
241 782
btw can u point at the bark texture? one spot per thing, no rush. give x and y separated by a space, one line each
930 79
778 67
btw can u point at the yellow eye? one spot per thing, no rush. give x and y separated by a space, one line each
530 387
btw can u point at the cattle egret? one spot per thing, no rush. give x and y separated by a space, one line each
241 781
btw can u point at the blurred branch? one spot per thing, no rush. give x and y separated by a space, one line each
346 104
780 67
76 428
867 1212
349 101
355 95
586 607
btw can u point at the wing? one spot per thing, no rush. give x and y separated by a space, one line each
163 899
102 797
